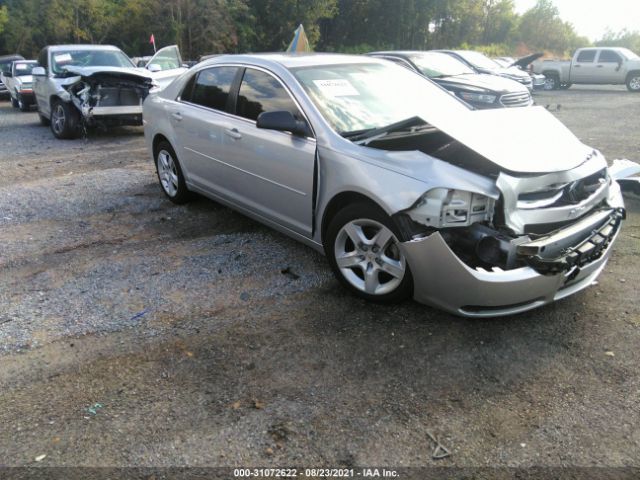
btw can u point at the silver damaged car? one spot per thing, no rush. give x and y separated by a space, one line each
407 190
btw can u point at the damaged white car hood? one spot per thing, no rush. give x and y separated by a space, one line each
113 71
523 140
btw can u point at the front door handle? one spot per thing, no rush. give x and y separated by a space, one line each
177 116
600 66
233 133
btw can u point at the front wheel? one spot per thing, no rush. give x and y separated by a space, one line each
363 249
64 120
552 82
14 102
633 82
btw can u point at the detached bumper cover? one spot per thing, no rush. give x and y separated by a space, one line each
441 279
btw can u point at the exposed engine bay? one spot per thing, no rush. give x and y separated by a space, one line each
554 222
108 98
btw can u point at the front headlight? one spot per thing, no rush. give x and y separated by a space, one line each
477 97
443 207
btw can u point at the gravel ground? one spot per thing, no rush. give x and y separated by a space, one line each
138 333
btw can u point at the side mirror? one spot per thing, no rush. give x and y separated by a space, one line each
38 72
154 67
7 73
282 121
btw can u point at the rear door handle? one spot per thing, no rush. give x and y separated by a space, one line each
177 116
600 66
233 133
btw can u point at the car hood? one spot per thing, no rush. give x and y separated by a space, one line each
139 74
512 71
492 83
524 140
518 140
525 61
25 79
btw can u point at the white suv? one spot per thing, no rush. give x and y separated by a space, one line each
96 85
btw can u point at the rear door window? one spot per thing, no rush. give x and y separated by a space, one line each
261 92
609 56
586 56
213 86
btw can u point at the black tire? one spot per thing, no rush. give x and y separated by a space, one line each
14 102
181 194
357 212
633 82
23 106
552 82
64 121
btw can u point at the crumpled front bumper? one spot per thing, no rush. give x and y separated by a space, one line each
442 280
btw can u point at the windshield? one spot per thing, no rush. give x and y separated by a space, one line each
628 54
478 60
439 65
89 58
24 68
358 97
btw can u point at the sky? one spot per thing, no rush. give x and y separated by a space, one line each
592 17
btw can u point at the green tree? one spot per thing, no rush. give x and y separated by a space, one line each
625 38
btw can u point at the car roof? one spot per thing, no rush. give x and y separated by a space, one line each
85 46
404 52
291 60
14 56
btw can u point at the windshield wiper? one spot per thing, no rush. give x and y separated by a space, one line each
355 133
374 133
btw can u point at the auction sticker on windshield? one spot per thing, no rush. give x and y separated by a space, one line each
336 87
63 57
21 66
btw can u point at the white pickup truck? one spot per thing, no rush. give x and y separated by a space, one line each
605 65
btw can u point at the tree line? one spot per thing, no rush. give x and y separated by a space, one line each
221 26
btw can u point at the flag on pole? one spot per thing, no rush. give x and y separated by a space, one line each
300 43
152 39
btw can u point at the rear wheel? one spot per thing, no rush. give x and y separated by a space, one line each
170 174
363 249
22 105
633 82
64 120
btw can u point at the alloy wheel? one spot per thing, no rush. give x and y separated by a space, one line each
634 83
550 83
168 173
369 257
58 119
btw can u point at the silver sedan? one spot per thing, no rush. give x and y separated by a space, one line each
408 191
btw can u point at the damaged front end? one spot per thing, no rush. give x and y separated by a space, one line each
521 241
107 98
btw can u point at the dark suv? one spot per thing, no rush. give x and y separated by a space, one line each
479 90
